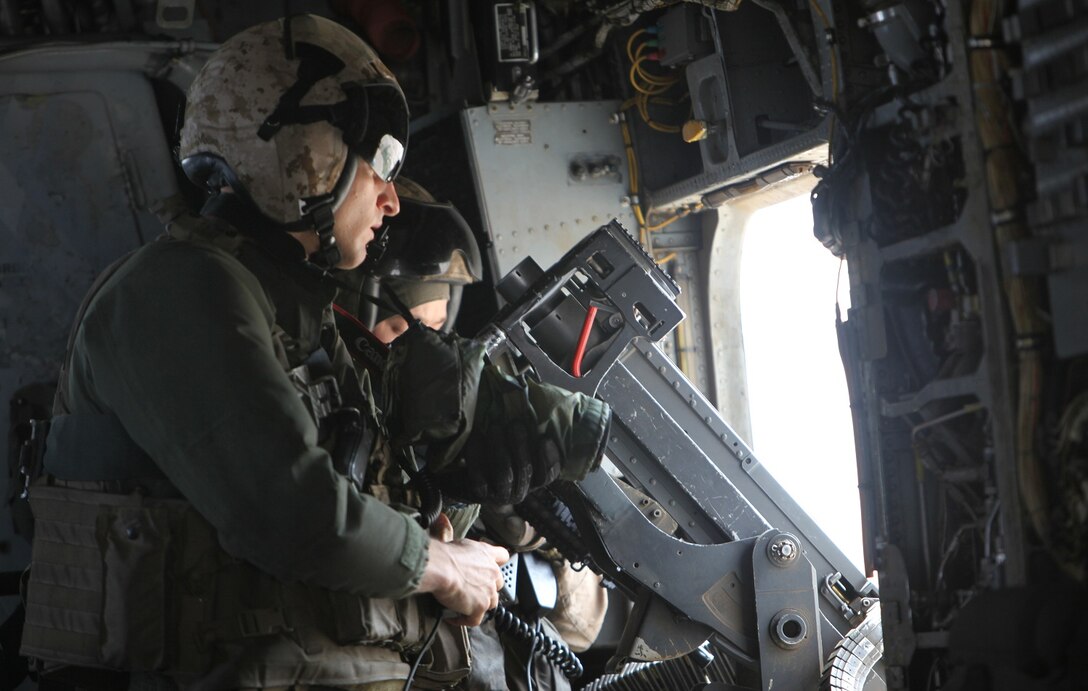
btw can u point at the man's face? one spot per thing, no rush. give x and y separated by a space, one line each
362 214
432 314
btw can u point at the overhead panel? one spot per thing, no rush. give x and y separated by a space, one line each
547 175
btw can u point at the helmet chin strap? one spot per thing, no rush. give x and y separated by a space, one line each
320 211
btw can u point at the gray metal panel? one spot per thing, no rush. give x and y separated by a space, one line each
522 158
82 158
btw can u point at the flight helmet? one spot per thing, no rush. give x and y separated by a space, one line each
281 114
427 241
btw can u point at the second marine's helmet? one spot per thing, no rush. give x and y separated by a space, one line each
427 241
281 114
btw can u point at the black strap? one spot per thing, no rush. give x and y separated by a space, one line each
315 64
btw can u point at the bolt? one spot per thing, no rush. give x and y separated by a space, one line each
625 201
657 584
783 550
788 629
657 513
614 119
132 532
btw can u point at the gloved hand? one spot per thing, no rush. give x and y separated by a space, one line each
490 437
525 435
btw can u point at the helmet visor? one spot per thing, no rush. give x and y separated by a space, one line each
388 157
377 127
431 242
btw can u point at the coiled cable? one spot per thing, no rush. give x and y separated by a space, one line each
540 643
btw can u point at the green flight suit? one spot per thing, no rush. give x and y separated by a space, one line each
185 344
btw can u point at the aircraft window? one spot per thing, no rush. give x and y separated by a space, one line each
800 412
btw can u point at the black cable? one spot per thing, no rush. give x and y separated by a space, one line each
540 643
423 651
529 665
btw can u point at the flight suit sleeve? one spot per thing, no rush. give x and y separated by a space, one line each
180 348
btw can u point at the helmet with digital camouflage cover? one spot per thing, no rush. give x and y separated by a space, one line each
282 113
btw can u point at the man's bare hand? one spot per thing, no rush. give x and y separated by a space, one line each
464 577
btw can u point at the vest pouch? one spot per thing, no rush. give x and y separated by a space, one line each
447 661
103 586
397 624
134 542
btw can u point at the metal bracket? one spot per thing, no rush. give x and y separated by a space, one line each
790 643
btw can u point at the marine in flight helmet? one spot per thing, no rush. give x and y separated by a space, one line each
280 115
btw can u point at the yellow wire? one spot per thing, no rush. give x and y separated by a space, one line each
652 79
687 211
651 89
631 42
666 259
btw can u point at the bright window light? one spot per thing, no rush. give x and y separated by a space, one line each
800 410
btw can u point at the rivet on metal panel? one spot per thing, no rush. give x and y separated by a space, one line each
547 227
577 221
634 460
653 481
676 385
657 584
662 369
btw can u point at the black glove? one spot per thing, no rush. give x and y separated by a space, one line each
525 435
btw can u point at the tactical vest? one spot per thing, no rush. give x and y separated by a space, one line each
125 574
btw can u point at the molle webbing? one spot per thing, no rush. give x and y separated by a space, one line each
125 581
99 577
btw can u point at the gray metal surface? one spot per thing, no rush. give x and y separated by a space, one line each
82 159
522 156
669 442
